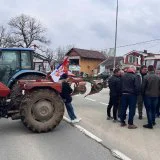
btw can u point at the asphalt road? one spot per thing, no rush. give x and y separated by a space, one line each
137 144
64 143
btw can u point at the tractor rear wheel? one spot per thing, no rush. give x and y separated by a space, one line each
41 110
16 93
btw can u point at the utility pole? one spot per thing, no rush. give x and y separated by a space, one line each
115 46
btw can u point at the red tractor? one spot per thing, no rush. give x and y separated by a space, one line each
41 108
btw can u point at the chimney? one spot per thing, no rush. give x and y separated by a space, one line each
145 51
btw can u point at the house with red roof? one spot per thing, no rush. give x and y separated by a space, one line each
86 61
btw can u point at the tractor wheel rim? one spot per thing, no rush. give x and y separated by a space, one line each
42 110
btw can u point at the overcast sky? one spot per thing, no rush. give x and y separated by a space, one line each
90 24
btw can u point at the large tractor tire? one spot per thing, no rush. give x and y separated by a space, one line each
41 110
16 93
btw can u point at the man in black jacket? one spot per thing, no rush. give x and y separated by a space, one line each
115 92
67 98
141 74
151 90
130 90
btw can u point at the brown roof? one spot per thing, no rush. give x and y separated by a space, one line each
110 60
88 53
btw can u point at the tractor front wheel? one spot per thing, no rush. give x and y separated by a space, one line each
41 110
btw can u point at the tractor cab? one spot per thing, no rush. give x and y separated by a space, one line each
13 60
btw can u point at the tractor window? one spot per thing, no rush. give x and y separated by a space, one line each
26 60
9 64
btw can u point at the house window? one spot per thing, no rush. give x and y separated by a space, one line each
132 59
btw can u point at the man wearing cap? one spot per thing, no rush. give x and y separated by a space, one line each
67 98
130 90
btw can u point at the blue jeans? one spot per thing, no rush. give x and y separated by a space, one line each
128 100
70 111
150 105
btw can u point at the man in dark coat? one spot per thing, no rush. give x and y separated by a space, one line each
130 90
151 90
141 74
115 92
67 98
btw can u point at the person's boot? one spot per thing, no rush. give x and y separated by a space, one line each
123 124
148 126
140 117
115 120
132 126
76 120
154 123
109 118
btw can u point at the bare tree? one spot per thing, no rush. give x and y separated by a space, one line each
4 37
26 31
50 55
56 56
47 52
61 52
108 52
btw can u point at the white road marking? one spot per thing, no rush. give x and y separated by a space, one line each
90 99
119 154
89 134
104 103
114 152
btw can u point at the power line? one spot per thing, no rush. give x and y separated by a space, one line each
133 44
153 45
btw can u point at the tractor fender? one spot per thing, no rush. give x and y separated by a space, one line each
23 73
29 85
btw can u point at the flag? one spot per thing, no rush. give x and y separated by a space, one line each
62 68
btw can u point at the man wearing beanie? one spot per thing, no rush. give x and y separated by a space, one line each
130 90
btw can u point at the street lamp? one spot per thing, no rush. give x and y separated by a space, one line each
115 46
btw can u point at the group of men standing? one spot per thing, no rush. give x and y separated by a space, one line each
130 89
